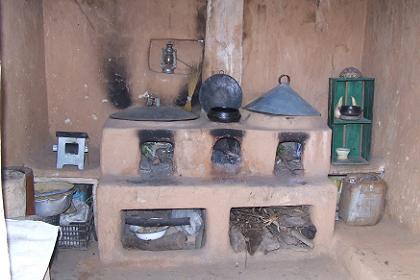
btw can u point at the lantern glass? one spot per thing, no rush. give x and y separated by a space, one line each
168 59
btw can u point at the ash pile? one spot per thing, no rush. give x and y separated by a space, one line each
157 159
226 156
289 159
268 229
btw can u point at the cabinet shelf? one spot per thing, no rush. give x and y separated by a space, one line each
351 160
359 121
352 134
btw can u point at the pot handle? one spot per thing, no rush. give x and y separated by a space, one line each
284 75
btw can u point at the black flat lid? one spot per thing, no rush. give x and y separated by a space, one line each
72 134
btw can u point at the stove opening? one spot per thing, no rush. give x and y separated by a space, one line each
157 158
226 156
268 229
288 161
71 148
163 229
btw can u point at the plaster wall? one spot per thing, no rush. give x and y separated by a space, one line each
24 97
88 41
391 54
308 40
316 40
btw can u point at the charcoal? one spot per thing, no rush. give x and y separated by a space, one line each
157 159
288 159
227 155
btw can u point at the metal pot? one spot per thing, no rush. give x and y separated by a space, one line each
54 202
351 110
224 115
220 90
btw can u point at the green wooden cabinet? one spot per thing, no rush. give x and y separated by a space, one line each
353 134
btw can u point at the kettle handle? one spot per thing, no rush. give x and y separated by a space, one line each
284 75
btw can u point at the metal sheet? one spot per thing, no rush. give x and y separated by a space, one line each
282 100
161 114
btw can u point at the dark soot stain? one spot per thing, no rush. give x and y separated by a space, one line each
118 91
227 133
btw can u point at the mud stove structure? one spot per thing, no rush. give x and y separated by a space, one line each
213 168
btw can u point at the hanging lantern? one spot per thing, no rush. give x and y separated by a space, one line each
168 59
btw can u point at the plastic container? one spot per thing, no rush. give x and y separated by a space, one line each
362 199
52 220
76 235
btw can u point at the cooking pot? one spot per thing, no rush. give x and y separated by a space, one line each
220 90
52 198
351 111
224 114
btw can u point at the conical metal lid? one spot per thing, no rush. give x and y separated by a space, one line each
283 101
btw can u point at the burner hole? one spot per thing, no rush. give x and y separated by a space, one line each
72 148
226 156
289 159
157 159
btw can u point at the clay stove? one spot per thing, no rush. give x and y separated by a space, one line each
198 182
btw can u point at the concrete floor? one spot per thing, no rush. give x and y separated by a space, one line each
85 265
382 252
386 251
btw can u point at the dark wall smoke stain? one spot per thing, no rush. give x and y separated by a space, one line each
293 137
116 79
262 10
182 97
201 20
156 136
218 133
247 20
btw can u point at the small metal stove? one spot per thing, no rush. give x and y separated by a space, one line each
71 148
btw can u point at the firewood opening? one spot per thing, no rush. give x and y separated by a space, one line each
288 161
268 229
157 159
226 156
163 229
